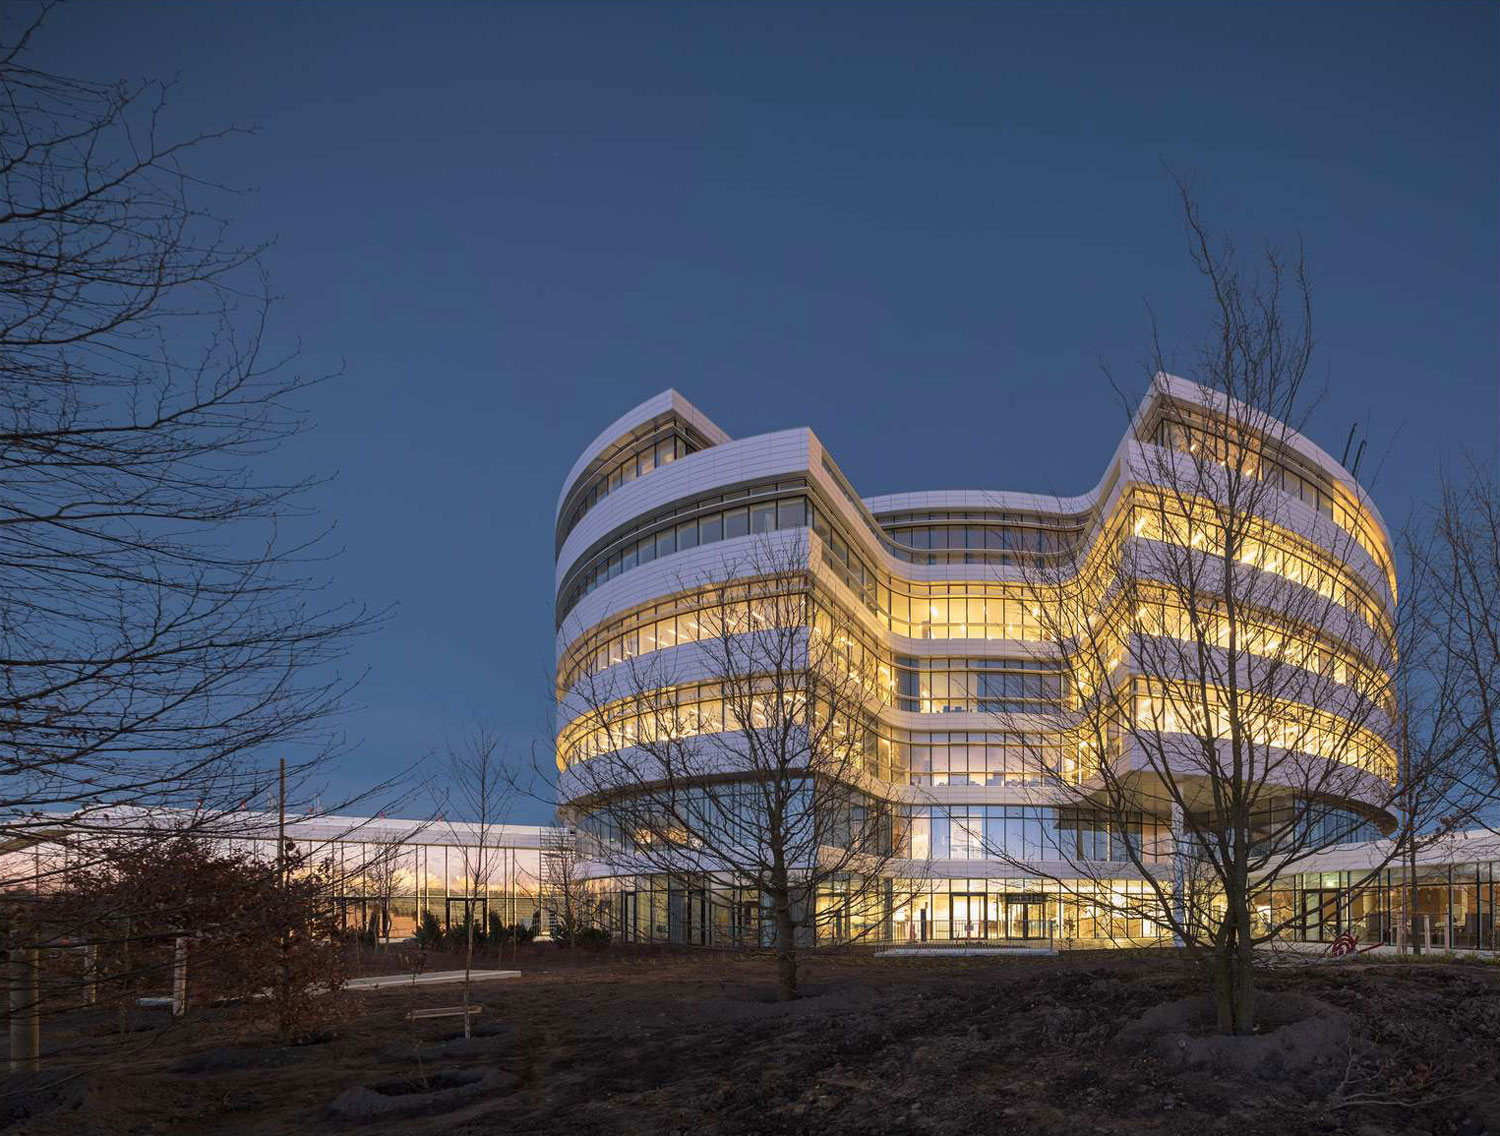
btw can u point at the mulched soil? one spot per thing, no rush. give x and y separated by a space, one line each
660 1042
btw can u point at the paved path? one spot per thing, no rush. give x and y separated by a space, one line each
432 978
961 952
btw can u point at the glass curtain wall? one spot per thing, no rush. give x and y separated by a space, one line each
1454 906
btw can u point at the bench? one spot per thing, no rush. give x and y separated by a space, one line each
443 1012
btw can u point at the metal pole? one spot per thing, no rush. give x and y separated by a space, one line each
285 985
1410 823
281 829
179 976
25 1006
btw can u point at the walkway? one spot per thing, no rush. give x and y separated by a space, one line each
434 978
961 952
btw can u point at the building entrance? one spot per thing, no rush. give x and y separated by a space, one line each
1322 911
1026 917
970 919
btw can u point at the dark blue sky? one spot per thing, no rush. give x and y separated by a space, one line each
918 228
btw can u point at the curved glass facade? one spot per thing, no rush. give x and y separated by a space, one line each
935 602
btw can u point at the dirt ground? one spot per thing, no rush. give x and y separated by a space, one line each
656 1042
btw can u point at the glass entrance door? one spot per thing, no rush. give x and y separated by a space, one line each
1320 915
1026 917
969 920
629 916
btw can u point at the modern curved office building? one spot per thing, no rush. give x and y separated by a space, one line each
978 745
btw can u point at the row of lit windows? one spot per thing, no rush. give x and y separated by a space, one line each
982 538
1454 905
765 516
671 715
981 758
1266 641
701 709
1271 551
734 813
945 686
1020 909
975 758
1455 900
716 617
939 610
419 869
1253 461
1067 526
705 911
1003 613
919 757
1164 707
1307 825
936 611
1026 832
942 684
351 867
918 685
921 832
964 688
707 614
933 611
649 455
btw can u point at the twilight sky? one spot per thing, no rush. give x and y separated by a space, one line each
917 228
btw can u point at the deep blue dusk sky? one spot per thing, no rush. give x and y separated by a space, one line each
917 228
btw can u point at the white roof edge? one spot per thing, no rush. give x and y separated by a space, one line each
1009 499
260 824
1173 386
1189 391
669 400
1473 845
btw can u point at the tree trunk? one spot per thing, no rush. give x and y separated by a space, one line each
468 970
1222 966
1244 978
1411 897
125 980
1234 985
25 1004
786 952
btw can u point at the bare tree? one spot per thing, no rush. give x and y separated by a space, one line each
572 900
1228 640
480 788
745 759
1450 667
161 633
382 873
1456 548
